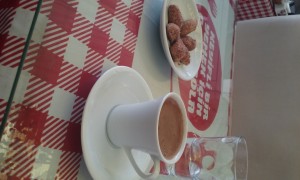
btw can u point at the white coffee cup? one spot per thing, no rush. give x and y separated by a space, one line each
136 126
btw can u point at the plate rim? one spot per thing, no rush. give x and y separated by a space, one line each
84 124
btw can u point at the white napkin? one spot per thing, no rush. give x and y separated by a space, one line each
266 95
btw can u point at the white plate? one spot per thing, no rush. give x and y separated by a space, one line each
188 10
118 85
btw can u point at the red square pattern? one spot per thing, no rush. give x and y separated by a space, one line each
63 14
99 40
126 58
254 9
85 85
47 66
133 23
29 125
72 141
9 4
109 5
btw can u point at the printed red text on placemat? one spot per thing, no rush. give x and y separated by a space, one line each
201 95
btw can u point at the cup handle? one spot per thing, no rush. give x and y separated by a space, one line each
139 171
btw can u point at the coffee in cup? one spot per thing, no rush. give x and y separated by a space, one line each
170 128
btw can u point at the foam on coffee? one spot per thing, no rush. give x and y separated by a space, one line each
170 128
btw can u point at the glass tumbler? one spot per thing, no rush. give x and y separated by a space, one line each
213 158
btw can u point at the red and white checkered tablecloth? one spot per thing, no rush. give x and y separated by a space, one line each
252 9
72 43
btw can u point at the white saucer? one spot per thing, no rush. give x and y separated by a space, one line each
118 85
189 11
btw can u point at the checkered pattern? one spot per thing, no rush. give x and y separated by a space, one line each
72 41
252 9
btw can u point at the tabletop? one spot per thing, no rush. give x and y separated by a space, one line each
68 45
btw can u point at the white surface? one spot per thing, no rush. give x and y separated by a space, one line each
75 52
61 104
149 58
88 9
119 85
189 11
42 169
266 98
22 22
7 75
117 31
